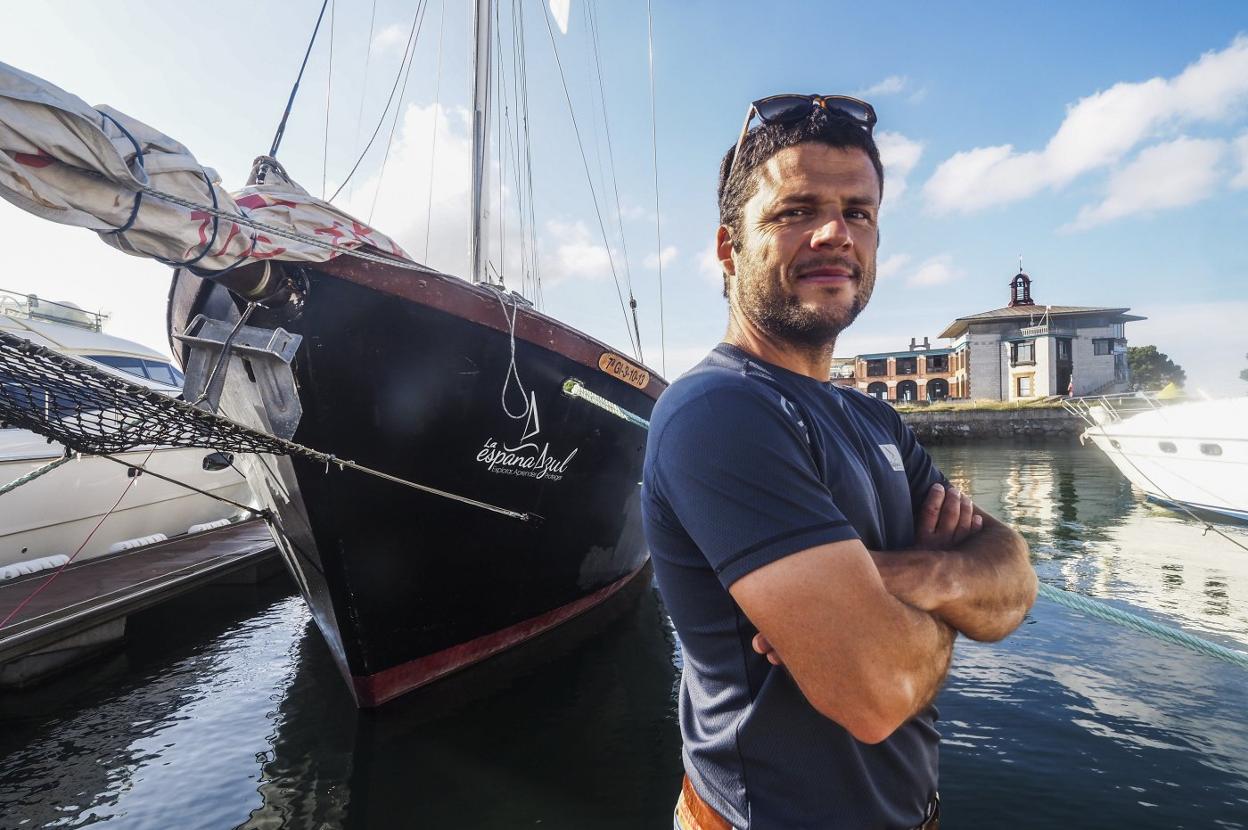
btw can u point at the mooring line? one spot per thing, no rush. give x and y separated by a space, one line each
1143 625
575 389
36 473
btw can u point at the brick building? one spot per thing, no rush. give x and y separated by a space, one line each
919 373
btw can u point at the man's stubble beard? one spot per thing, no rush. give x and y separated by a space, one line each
779 311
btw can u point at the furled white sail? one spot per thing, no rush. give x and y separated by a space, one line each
97 168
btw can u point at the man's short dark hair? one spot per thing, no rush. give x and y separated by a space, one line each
768 139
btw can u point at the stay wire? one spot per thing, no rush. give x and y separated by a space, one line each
590 181
290 102
658 215
411 60
404 66
518 15
329 95
619 214
368 55
437 113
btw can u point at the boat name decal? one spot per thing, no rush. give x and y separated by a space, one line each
526 458
625 370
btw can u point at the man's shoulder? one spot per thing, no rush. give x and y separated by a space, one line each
724 380
868 405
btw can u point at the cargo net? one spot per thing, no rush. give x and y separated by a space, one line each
90 411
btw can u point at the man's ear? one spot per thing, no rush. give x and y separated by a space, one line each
723 250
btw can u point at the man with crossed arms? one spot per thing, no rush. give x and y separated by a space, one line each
816 564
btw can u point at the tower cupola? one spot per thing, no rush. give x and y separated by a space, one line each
1020 290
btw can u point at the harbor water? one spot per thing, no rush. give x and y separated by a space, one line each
225 710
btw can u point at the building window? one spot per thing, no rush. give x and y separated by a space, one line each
878 390
1024 386
1210 449
1023 353
877 368
907 365
937 389
1167 446
907 390
1102 345
1063 349
937 363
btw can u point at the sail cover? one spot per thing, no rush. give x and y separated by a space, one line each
98 168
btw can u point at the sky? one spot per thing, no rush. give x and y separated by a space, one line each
1104 143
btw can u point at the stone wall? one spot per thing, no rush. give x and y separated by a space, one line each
969 424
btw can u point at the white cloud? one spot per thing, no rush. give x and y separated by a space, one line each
1098 131
572 253
404 206
936 270
899 155
1170 175
891 85
891 266
391 37
709 267
1241 152
666 257
1206 339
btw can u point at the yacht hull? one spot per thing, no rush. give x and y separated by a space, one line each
451 386
1191 456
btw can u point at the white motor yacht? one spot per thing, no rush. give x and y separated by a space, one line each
52 518
1189 456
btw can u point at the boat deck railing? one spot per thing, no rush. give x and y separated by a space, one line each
1099 410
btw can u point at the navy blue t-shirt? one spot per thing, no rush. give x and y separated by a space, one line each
747 463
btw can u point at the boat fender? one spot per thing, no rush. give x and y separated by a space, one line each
31 566
200 528
129 544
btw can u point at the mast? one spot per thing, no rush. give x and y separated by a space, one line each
483 25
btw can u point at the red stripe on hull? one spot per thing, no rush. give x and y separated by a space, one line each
376 689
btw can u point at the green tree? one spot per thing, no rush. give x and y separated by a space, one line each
1151 369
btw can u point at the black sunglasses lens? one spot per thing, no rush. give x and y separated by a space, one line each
783 109
851 110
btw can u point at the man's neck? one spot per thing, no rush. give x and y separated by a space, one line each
812 361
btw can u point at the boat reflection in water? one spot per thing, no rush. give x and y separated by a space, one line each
571 733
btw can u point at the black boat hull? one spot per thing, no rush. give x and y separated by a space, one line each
451 386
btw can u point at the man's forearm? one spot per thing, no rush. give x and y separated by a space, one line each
983 587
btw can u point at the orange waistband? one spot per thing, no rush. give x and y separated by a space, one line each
694 813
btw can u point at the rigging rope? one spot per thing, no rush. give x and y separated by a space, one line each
368 55
437 112
658 220
329 94
590 180
35 473
412 35
592 24
290 102
100 414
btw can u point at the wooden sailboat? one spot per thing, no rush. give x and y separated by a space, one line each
527 510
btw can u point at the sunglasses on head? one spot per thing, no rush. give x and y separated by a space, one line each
789 109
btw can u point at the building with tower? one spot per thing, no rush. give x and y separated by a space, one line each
1025 350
